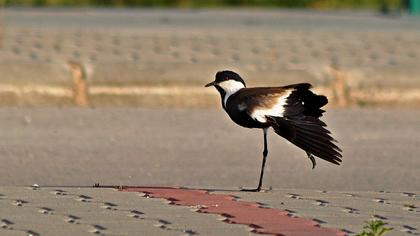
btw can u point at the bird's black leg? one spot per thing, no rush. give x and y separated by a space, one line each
312 158
265 152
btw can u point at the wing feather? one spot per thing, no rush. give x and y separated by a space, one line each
293 111
262 102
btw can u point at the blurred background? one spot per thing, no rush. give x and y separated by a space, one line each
128 48
112 91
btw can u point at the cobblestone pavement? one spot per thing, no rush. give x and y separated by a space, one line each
73 211
347 210
86 211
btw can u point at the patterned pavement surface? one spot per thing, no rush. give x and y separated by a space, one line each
60 147
107 211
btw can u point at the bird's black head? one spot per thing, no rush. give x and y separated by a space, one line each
226 75
227 83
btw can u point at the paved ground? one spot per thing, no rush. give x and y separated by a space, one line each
182 147
346 210
202 148
84 211
140 49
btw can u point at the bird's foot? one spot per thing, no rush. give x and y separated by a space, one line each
312 158
250 189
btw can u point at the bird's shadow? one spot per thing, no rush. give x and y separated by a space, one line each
236 190
218 189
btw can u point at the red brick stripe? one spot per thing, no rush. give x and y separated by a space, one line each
261 220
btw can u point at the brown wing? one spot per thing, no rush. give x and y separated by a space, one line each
261 102
259 99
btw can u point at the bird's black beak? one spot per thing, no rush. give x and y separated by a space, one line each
211 84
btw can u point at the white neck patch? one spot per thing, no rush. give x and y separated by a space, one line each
230 87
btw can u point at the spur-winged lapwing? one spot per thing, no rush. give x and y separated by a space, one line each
293 112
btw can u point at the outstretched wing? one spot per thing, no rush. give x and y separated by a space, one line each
309 134
293 111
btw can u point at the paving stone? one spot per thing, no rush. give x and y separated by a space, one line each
345 210
80 211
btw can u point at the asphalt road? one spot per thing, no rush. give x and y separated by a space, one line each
175 147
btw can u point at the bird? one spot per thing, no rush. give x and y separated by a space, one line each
292 111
